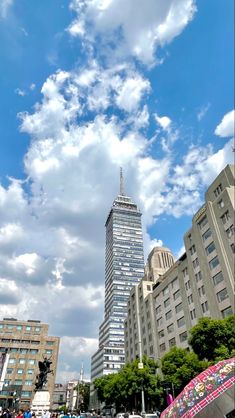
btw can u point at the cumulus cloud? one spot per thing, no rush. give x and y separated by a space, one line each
226 127
136 29
163 121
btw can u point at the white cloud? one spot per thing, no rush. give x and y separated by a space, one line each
203 111
4 7
136 28
20 92
226 127
163 121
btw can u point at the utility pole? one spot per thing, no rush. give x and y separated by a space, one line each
140 365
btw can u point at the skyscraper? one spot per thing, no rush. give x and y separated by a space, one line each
124 267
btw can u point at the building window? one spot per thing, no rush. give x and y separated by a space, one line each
218 190
205 307
181 322
185 272
183 336
203 222
31 361
214 262
210 248
217 278
192 250
165 291
37 329
28 328
9 371
158 309
225 217
188 285
161 333
179 307
193 313
170 328
230 231
159 321
12 361
176 295
198 276
50 342
206 235
222 295
190 299
20 371
195 263
22 361
26 393
149 287
201 291
28 382
172 342
162 347
221 204
226 312
30 371
18 382
167 302
23 350
168 315
32 351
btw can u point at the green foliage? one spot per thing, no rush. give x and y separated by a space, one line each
124 388
84 395
213 339
179 366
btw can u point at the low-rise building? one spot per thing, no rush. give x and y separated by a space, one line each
59 396
27 343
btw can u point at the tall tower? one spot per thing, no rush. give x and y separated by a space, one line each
124 267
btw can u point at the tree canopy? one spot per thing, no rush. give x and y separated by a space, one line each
213 339
179 366
124 388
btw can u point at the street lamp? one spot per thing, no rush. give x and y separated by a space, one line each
140 365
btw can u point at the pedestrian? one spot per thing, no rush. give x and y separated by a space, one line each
20 414
27 413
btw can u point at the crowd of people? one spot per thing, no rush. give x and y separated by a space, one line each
6 413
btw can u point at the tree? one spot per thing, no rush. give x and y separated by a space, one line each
124 388
179 366
84 395
213 339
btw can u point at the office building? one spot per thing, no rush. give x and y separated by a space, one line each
140 322
26 342
200 282
124 267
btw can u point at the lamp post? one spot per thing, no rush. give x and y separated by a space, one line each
140 365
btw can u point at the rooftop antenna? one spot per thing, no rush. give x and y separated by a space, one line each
121 183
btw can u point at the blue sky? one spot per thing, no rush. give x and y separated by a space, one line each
87 87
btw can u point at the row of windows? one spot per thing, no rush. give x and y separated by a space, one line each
20 327
24 350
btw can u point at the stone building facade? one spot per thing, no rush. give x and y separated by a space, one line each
27 342
198 284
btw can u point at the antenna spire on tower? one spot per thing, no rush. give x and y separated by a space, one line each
121 183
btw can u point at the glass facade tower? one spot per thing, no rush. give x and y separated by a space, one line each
124 267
